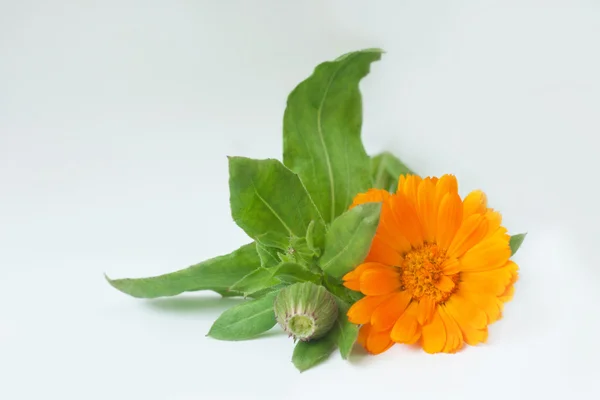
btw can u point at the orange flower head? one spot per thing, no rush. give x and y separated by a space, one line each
438 271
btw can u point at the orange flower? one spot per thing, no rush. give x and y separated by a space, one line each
438 272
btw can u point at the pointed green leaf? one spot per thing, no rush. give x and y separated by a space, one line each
515 242
290 272
321 132
216 274
347 332
246 320
270 203
386 169
255 281
349 238
268 255
308 354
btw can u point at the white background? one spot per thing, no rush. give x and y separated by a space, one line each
115 120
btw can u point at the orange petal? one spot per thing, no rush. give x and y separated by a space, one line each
446 184
489 304
361 311
474 203
353 284
475 336
379 281
382 253
445 284
363 334
434 335
409 186
415 338
407 220
378 342
407 325
494 281
371 196
352 278
389 230
454 337
451 266
458 305
494 219
388 312
508 294
427 210
425 309
471 335
357 272
492 252
449 219
471 231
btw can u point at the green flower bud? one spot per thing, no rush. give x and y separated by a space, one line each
305 311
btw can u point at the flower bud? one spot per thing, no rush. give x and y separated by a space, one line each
305 311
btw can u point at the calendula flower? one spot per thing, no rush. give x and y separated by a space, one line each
438 271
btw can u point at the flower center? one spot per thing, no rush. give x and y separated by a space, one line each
422 273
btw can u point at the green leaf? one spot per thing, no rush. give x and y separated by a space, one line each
516 241
321 133
308 354
310 242
349 238
290 272
255 281
268 255
302 252
246 320
386 169
216 274
270 203
343 334
347 332
264 292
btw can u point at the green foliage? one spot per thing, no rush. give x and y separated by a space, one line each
308 354
255 281
343 335
270 203
290 272
515 242
322 132
349 238
385 171
246 320
217 274
268 255
347 332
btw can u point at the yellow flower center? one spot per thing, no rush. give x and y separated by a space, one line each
422 273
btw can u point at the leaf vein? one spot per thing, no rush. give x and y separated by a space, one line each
272 210
322 138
